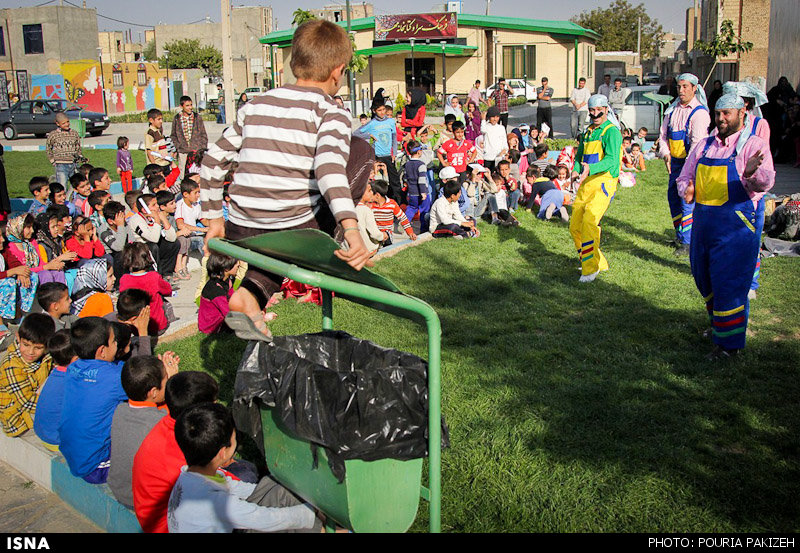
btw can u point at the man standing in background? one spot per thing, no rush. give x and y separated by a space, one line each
221 103
580 108
544 112
500 97
63 149
605 88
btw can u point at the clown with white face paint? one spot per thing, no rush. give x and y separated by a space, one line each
685 124
596 171
726 178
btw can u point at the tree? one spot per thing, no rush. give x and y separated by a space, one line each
357 64
189 54
149 51
724 43
618 27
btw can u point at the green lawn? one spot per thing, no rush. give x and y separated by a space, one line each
576 408
21 166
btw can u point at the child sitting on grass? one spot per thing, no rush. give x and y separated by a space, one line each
139 273
40 189
53 298
51 396
544 190
144 379
92 391
386 211
204 500
216 293
23 372
446 219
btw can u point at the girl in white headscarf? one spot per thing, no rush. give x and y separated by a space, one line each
454 106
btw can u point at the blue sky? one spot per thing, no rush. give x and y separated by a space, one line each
670 14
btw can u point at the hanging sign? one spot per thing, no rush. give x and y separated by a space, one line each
421 25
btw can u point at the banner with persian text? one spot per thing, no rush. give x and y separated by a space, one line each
416 26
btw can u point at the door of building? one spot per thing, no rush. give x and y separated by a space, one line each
424 74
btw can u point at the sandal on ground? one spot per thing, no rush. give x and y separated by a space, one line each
248 328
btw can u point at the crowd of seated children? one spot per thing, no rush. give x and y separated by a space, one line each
217 291
20 233
92 391
158 461
144 380
140 273
206 499
51 395
23 372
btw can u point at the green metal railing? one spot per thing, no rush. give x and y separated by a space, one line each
398 304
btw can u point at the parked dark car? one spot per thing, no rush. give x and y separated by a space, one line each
39 117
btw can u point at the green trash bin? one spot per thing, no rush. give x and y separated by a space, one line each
79 126
375 496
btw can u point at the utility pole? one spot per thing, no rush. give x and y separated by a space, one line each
488 6
639 41
227 61
352 77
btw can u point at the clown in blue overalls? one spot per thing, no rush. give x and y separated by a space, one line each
686 123
726 176
755 124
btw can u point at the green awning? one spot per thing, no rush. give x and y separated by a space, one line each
284 38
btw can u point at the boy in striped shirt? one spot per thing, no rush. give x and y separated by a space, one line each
386 210
292 145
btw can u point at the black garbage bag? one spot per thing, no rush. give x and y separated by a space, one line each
350 396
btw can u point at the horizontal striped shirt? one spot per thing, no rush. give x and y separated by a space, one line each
386 214
292 146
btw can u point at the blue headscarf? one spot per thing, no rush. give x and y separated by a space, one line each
601 101
700 93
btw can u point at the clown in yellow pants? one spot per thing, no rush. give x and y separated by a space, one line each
591 203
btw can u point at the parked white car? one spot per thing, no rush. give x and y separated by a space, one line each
254 91
641 112
518 87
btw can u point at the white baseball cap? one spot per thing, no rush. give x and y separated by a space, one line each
447 173
478 168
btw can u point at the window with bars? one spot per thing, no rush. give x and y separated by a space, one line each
116 79
519 61
141 77
32 39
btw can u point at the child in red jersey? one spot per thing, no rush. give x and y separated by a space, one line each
457 152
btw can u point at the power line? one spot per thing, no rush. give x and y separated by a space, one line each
112 19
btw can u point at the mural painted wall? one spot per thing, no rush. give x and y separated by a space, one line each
47 86
143 86
82 84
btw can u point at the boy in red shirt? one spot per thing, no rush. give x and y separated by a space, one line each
510 184
459 152
386 210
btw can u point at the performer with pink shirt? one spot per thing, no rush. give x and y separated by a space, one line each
685 124
726 176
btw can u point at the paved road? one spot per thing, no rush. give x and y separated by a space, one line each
27 507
